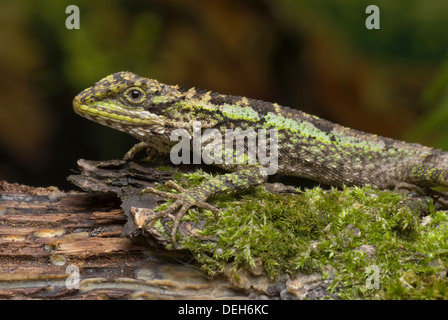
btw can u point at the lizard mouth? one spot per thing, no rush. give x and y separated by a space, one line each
107 113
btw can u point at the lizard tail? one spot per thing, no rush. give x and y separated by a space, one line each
426 176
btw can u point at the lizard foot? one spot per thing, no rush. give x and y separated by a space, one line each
185 199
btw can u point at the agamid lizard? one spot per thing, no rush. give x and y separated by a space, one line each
308 146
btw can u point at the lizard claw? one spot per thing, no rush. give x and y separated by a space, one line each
185 199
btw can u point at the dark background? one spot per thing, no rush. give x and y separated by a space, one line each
316 56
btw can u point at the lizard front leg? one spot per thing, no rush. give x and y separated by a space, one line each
185 199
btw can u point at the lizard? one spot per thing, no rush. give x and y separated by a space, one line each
308 146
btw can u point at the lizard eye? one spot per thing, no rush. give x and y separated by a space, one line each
135 95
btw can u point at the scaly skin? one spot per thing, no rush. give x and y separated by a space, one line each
307 145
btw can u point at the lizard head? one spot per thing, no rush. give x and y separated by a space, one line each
130 103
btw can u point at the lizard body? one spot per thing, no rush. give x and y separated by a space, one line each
308 146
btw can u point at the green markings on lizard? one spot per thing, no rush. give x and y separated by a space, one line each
279 122
236 112
306 129
195 105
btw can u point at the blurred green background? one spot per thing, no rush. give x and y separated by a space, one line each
316 56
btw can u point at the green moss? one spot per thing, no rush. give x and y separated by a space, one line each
341 234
